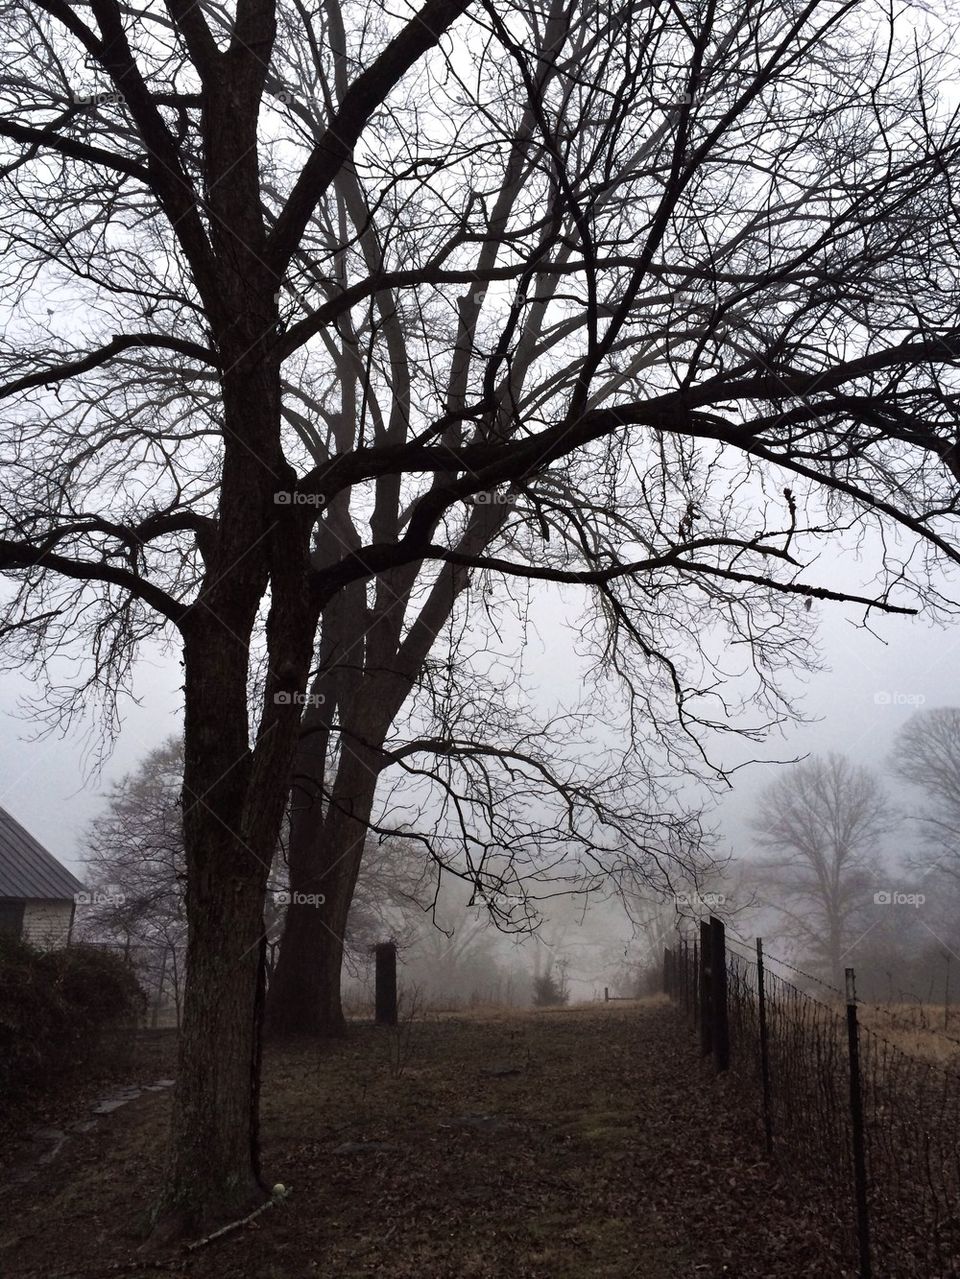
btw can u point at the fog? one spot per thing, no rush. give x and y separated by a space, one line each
873 678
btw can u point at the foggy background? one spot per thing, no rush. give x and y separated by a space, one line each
873 679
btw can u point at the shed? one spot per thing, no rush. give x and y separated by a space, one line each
37 893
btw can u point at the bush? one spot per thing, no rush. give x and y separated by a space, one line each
56 1008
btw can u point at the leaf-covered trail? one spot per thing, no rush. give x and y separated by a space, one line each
585 1142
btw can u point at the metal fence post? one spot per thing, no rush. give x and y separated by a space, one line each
764 1050
859 1143
718 994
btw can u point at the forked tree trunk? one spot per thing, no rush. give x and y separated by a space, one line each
233 805
327 836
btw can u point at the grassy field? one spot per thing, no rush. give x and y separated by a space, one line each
586 1142
917 1030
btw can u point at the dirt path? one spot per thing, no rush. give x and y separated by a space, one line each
548 1145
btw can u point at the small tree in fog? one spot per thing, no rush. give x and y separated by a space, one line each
821 825
550 987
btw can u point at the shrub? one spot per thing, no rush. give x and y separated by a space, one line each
56 1008
549 991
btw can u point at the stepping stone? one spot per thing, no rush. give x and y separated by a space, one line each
165 1083
82 1125
47 1134
48 1156
110 1105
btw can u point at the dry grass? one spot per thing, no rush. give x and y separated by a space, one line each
915 1029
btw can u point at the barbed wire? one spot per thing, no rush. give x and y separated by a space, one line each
884 1011
799 1096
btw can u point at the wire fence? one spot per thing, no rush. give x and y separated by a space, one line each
871 1132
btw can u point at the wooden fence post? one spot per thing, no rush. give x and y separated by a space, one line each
386 983
706 1010
718 994
856 1124
764 1050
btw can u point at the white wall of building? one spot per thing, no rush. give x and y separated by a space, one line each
46 924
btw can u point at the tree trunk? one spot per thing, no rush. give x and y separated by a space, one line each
305 992
325 856
234 799
214 1172
327 838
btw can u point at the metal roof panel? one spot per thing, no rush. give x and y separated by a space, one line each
27 869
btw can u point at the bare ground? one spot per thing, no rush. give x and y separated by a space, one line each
587 1142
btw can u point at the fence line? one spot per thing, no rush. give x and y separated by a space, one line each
873 1132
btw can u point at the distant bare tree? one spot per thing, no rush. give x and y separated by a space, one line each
137 845
822 824
926 753
391 895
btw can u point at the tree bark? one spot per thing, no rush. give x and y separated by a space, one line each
214 1172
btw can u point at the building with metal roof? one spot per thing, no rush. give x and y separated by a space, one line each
38 895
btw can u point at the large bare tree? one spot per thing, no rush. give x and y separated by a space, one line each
822 826
926 753
676 287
